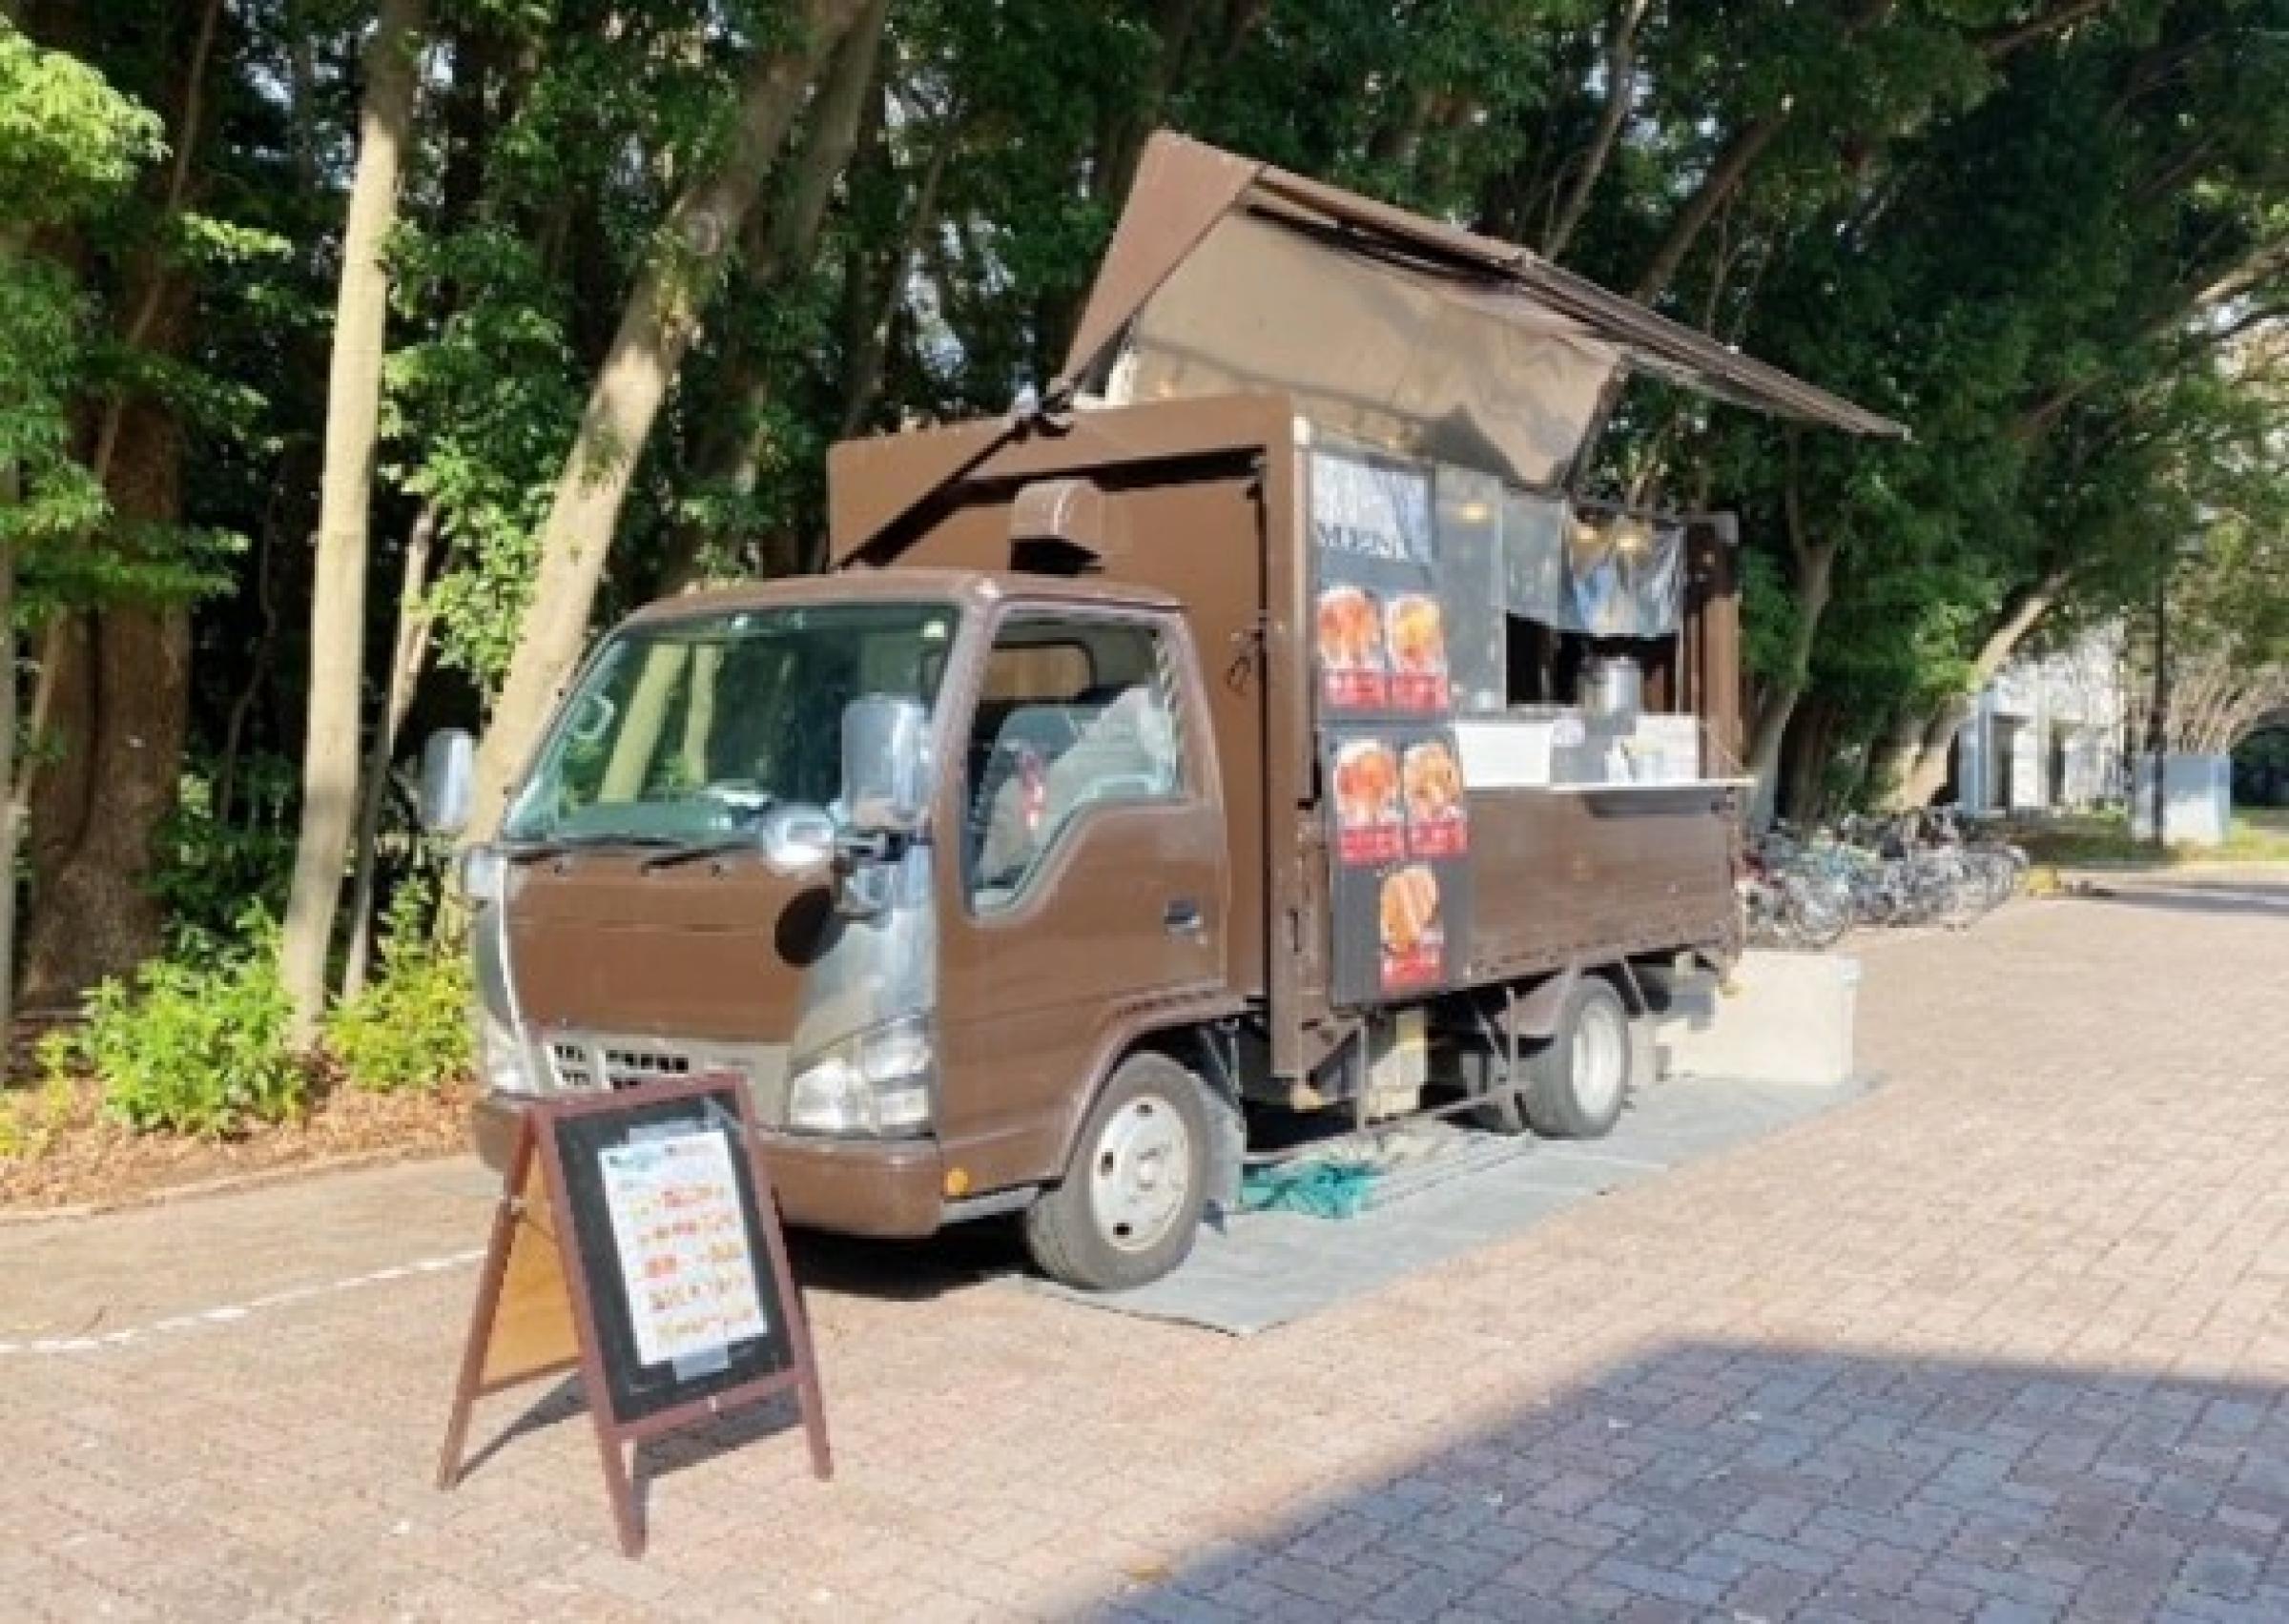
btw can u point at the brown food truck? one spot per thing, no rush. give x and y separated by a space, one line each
1255 721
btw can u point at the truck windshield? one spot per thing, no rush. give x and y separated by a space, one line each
691 730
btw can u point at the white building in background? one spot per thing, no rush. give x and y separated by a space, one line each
2047 733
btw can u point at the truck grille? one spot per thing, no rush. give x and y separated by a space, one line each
588 1060
612 1065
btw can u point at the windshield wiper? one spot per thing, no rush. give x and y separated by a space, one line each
723 845
695 853
556 846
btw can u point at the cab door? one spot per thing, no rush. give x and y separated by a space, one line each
1091 880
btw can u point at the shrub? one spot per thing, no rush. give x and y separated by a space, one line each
409 1028
196 1042
30 1121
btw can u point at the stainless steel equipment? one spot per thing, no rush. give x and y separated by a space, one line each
1612 692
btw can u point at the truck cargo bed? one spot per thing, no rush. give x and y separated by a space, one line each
1588 873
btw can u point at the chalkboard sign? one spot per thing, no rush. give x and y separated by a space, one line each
637 1242
669 1240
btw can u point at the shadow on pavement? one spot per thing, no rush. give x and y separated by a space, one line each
654 1458
2197 896
1716 1481
956 1259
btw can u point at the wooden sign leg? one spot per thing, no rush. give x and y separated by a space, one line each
619 1482
814 1427
507 1215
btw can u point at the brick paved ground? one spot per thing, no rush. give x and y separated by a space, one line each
2006 1341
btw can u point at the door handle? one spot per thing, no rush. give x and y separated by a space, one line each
1182 916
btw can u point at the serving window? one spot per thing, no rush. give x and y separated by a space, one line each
1535 587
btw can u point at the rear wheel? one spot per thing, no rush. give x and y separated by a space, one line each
1130 1205
1576 1082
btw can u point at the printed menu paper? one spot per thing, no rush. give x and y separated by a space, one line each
683 1252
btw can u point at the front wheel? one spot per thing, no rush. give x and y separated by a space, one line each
1130 1203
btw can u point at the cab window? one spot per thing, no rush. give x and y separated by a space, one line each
1075 712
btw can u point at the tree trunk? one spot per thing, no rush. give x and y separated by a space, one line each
1815 575
1901 747
1815 566
1620 90
1733 162
1805 756
835 120
1920 768
1738 156
732 444
1122 128
12 823
121 704
407 660
876 306
656 328
345 499
12 237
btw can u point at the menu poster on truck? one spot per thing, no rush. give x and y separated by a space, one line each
1379 630
1400 840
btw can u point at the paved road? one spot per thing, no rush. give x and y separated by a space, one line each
2008 1341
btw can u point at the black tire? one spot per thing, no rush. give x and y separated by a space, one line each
1554 1102
1561 1104
1151 1112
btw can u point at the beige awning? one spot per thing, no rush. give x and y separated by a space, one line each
1226 273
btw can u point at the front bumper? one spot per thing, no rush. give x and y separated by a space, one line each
892 1189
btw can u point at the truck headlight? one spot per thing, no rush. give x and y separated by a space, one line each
877 1083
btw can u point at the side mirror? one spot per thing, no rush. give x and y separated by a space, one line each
448 775
885 766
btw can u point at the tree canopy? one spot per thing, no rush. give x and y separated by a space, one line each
647 263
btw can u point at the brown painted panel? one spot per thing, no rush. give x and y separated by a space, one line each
1564 876
1030 995
682 951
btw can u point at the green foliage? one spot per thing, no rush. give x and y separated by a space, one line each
69 143
409 1028
210 866
68 140
195 1042
1998 246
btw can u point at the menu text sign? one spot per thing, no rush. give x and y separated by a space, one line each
637 1242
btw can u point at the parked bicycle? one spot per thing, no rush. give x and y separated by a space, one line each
1927 866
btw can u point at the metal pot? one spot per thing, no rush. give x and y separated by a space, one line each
1613 690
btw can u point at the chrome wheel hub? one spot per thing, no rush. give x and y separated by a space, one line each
1141 1174
1601 1057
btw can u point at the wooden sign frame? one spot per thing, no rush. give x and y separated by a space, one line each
535 1312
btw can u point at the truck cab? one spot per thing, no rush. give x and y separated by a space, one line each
909 851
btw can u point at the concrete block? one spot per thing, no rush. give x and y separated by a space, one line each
2198 798
1788 1018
